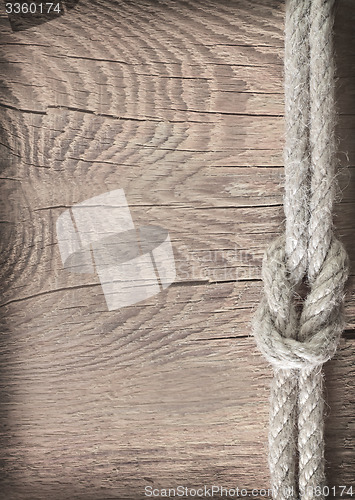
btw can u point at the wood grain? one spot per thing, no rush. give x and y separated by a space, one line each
180 104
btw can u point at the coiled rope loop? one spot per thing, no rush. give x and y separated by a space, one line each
321 321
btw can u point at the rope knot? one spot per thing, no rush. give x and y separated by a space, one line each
289 340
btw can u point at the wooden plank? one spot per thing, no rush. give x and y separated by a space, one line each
180 104
91 427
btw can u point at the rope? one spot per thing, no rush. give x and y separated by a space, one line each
295 342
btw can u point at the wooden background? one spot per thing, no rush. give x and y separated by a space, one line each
179 103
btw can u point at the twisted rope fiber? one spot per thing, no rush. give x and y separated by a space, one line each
298 343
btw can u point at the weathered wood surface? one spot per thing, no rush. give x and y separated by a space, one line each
179 103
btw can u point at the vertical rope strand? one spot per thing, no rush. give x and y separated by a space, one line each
320 233
283 401
282 434
321 135
311 434
296 151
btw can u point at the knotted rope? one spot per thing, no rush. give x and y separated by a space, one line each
295 342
